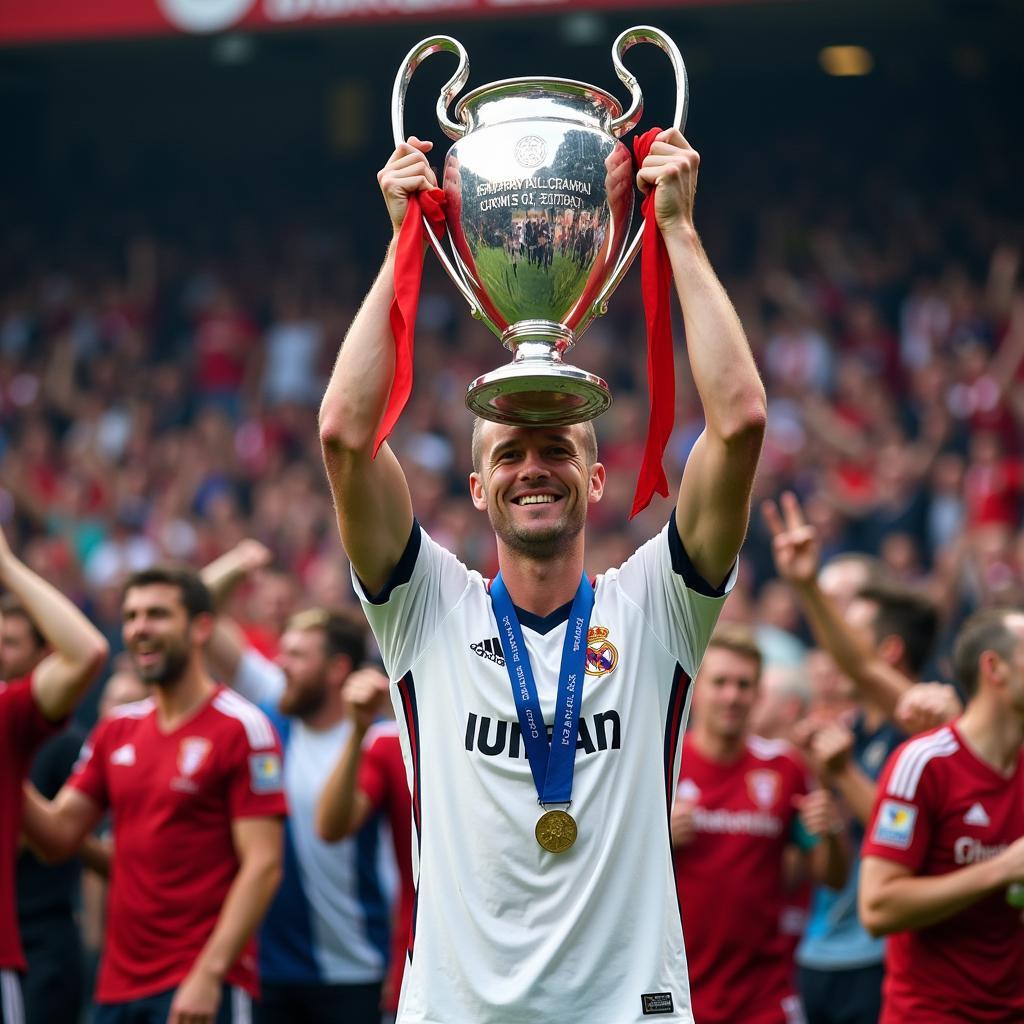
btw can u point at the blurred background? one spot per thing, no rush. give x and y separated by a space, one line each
190 217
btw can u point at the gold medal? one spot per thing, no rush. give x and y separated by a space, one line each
555 831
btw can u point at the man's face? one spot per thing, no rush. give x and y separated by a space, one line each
535 485
727 689
302 656
157 632
1015 684
20 650
862 617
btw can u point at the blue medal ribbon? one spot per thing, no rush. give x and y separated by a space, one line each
552 764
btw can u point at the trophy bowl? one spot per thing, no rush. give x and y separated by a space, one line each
538 202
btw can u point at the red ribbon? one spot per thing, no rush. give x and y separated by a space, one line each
408 276
655 279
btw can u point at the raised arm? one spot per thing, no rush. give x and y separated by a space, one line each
227 643
79 649
343 807
713 507
371 496
797 557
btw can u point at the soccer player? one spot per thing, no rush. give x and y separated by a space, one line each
40 691
737 803
368 779
192 778
562 911
324 943
945 843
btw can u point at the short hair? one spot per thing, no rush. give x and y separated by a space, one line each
195 595
589 442
739 639
344 632
12 608
985 630
908 614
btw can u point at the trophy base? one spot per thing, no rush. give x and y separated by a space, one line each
521 395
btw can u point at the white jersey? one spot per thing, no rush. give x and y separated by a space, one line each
504 932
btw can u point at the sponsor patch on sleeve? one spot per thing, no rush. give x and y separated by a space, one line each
656 1002
265 773
894 825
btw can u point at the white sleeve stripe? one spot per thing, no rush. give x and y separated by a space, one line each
257 725
907 773
910 765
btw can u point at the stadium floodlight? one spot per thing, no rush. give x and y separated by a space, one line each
846 61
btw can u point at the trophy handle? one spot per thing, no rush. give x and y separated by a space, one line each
623 124
414 58
629 39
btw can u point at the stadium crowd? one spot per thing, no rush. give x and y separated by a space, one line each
158 403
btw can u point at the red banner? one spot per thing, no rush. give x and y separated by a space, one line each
30 21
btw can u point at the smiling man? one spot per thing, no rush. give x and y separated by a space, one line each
541 686
192 778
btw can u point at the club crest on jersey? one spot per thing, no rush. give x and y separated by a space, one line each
602 657
764 787
191 754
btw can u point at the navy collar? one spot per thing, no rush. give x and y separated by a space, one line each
543 623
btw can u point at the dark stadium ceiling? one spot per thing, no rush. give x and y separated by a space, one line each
759 35
246 101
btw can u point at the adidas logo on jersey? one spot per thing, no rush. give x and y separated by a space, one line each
489 649
124 755
977 816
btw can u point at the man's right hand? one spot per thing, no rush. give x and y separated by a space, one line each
927 706
795 545
683 827
1011 863
406 172
365 693
829 750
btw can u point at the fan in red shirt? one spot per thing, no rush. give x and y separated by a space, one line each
734 825
31 710
192 777
370 777
945 842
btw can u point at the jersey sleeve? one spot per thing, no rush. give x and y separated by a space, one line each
255 770
681 607
901 823
258 679
25 727
424 587
373 772
89 775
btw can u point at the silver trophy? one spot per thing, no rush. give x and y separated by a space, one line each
538 203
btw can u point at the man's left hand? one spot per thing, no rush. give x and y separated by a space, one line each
818 813
672 165
197 999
